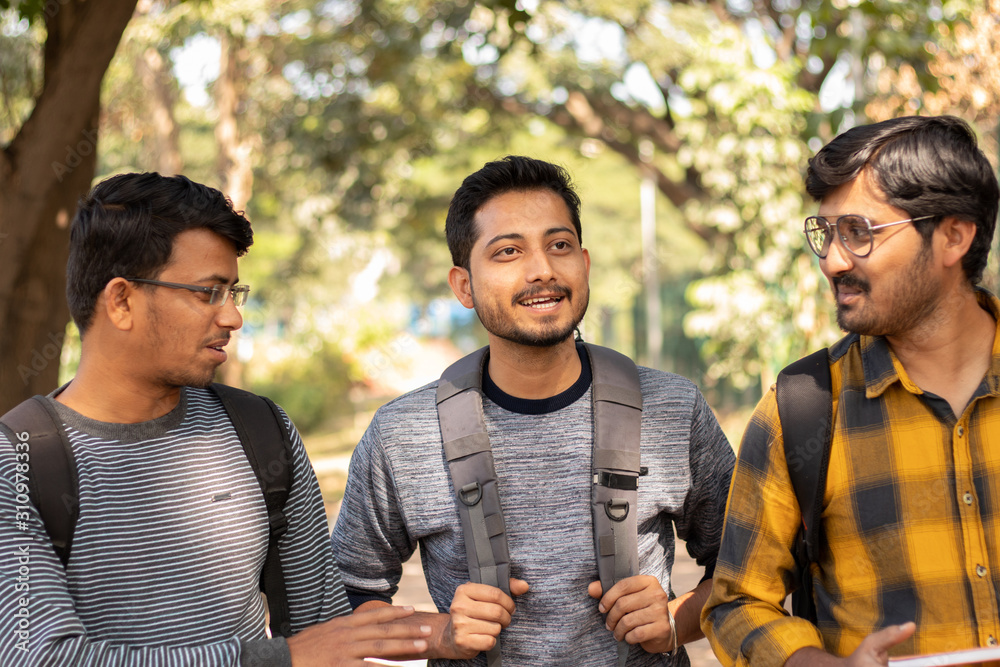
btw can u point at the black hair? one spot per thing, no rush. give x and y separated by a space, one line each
126 227
925 165
514 173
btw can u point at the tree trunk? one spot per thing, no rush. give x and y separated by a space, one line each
43 172
235 161
156 79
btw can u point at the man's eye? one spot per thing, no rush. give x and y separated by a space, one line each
560 245
507 252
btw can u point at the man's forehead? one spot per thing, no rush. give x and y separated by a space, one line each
512 212
854 196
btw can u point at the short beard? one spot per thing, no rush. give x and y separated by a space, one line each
914 300
547 336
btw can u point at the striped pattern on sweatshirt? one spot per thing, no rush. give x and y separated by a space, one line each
167 551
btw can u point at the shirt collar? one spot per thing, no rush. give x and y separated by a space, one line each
882 368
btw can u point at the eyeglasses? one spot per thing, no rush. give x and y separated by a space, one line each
219 293
855 232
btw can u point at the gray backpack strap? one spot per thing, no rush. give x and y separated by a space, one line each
614 498
617 418
473 475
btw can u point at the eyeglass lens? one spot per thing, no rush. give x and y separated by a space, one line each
221 292
854 230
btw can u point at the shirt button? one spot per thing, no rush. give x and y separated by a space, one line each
961 431
980 570
991 641
967 498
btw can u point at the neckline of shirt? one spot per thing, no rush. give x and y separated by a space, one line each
540 406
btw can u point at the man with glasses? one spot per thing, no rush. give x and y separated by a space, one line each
172 528
909 550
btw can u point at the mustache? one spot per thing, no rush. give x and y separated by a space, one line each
532 292
847 280
227 337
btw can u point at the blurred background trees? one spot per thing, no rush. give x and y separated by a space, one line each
343 127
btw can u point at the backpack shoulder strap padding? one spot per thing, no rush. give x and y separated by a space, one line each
617 421
473 475
52 475
267 443
803 394
470 461
617 400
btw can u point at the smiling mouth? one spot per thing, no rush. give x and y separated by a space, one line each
541 303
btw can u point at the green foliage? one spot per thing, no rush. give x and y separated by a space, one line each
20 71
368 115
313 391
32 10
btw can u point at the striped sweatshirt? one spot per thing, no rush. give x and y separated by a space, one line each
399 495
167 551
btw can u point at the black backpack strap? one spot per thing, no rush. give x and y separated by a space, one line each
473 475
804 397
614 495
51 468
267 444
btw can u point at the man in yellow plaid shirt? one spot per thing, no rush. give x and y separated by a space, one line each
909 557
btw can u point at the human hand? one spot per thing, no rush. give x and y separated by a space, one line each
346 641
874 649
636 610
478 614
871 652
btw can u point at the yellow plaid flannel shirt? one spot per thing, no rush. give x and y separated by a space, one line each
910 525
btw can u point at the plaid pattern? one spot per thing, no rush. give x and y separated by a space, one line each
911 520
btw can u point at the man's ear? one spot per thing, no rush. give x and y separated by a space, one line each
117 302
460 281
957 236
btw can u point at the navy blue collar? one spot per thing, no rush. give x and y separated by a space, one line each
540 406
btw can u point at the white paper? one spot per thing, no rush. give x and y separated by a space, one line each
969 656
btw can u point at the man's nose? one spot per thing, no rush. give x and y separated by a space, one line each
539 268
838 259
229 315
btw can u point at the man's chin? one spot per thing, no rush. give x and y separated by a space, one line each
198 381
850 322
540 339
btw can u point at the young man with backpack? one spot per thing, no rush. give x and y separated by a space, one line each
550 472
904 534
143 507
